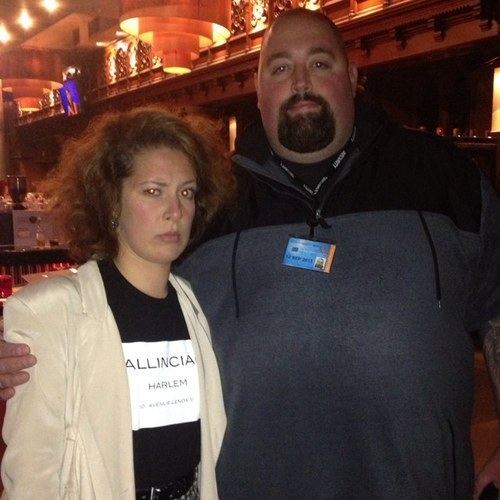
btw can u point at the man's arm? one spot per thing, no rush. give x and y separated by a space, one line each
13 359
491 346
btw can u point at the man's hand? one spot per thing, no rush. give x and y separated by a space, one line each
13 359
489 474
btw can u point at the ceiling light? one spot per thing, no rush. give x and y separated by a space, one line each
176 31
25 20
4 34
50 5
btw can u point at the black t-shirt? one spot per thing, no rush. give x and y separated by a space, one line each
163 453
311 173
314 175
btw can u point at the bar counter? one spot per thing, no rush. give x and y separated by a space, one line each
18 261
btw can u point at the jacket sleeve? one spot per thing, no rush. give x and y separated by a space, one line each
34 425
484 302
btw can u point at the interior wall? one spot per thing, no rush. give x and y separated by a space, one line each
453 92
449 93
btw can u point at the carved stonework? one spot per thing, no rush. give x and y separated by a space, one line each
50 99
438 26
259 13
102 76
310 4
353 8
132 58
156 61
143 56
242 77
110 69
399 37
280 6
123 59
122 64
238 13
364 45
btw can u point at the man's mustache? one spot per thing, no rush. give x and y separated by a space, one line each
305 96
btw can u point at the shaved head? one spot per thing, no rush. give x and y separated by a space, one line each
305 86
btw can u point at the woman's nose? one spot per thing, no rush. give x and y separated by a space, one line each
173 209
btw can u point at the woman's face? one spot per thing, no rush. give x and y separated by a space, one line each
157 207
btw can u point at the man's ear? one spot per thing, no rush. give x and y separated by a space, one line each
353 76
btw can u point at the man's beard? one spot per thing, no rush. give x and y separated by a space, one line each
306 132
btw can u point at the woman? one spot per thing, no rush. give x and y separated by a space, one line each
122 345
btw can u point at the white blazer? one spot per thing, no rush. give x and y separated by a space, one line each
68 430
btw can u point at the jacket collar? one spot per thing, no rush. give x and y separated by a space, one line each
92 292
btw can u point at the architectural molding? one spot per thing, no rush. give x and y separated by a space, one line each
386 32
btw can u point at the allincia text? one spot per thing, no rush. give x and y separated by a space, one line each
151 363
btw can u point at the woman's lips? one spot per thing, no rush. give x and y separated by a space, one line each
170 237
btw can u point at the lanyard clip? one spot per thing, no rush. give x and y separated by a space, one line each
320 220
317 220
312 223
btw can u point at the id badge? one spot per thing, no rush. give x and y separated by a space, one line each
309 254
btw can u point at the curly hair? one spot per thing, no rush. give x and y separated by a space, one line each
85 187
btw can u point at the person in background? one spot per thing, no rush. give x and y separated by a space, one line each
352 379
125 398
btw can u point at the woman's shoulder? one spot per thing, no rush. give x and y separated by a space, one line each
54 286
60 288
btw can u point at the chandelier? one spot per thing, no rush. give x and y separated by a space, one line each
177 29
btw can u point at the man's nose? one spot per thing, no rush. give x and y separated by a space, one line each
301 81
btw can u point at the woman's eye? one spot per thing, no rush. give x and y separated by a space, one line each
152 191
188 193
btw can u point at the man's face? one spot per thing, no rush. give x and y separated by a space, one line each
305 89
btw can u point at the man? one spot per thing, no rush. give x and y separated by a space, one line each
356 260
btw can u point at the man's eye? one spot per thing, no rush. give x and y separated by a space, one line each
188 193
278 69
152 191
321 65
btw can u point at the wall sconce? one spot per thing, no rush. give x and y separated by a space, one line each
495 110
232 132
